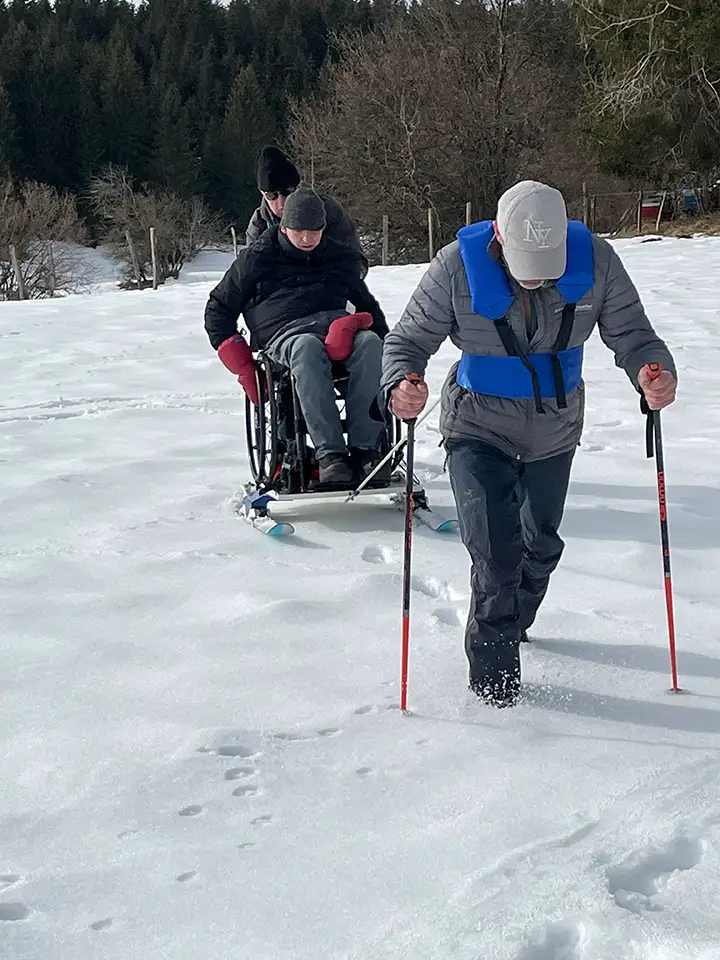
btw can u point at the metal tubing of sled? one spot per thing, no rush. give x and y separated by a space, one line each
407 558
401 442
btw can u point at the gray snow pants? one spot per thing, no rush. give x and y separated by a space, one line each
509 515
311 368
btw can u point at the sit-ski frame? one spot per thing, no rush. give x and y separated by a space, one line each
255 505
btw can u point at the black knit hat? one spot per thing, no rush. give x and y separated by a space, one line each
304 210
275 171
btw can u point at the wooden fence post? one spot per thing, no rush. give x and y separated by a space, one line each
53 274
18 273
386 240
431 239
234 236
153 252
134 258
586 212
468 213
660 212
639 212
593 213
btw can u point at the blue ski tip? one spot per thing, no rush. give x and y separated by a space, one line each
281 530
447 526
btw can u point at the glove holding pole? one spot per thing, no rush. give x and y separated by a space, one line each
653 437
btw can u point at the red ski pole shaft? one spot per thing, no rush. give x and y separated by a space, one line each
655 371
407 553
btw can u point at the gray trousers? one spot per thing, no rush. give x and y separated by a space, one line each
311 368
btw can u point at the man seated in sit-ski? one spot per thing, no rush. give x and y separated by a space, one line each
292 287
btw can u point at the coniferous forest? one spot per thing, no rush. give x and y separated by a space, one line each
395 107
180 92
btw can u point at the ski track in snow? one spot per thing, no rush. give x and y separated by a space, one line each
205 757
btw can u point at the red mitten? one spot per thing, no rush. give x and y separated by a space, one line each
237 357
339 339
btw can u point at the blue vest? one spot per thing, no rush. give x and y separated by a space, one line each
492 297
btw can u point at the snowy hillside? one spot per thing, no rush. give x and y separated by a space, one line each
202 754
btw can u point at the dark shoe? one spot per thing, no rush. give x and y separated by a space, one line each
497 693
364 462
334 472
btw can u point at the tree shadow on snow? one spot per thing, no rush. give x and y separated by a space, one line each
632 656
670 715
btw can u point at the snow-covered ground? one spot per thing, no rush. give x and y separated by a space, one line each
202 752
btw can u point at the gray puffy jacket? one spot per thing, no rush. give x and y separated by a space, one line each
441 307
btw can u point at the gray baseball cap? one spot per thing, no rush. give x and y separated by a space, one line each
532 221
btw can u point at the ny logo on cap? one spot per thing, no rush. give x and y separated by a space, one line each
535 232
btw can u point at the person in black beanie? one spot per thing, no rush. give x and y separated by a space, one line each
277 178
292 287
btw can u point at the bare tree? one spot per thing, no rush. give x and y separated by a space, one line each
656 63
447 104
44 228
182 227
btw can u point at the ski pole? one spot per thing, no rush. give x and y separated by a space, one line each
654 439
407 552
407 558
401 443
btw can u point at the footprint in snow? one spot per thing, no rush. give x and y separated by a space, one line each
261 820
561 940
303 737
193 810
377 553
364 771
448 616
184 877
246 845
247 790
102 924
10 912
239 773
237 750
361 711
435 589
635 883
9 880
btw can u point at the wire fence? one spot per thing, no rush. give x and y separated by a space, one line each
625 213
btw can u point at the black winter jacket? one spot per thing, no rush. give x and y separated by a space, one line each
340 226
273 284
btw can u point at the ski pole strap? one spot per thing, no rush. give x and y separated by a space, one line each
655 370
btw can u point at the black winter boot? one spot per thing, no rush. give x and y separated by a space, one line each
334 473
364 462
502 692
